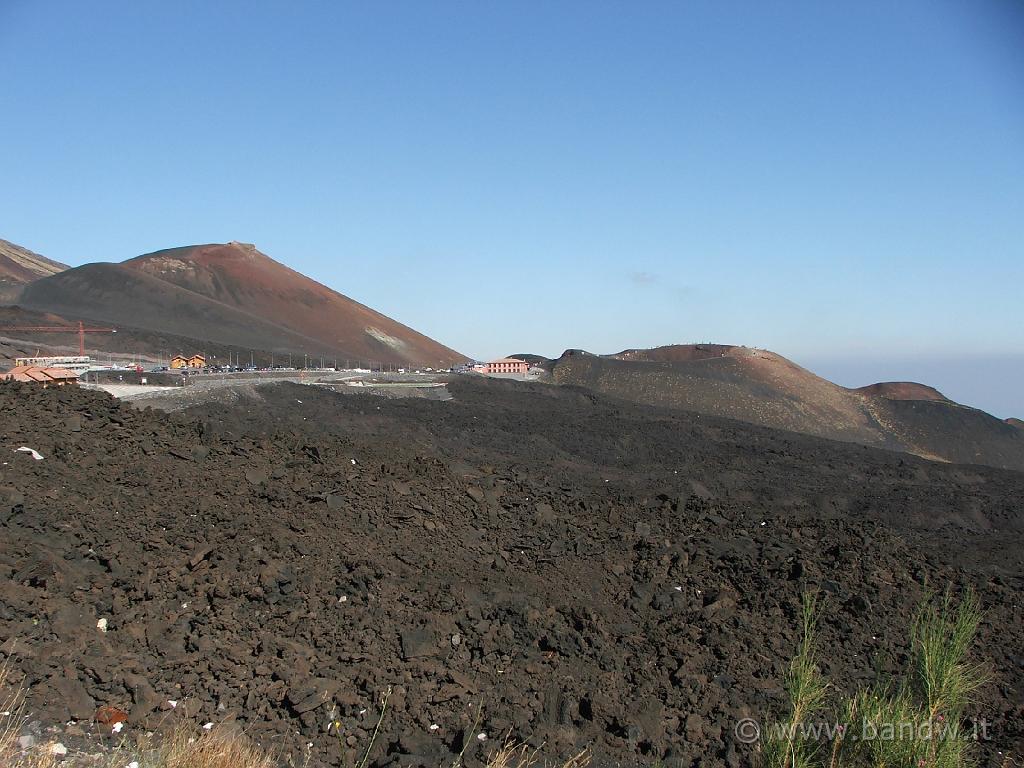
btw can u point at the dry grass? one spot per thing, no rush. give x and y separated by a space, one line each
184 747
219 748
188 747
512 755
225 748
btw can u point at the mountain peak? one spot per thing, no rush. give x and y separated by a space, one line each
233 294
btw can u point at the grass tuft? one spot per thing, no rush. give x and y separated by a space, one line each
217 748
912 722
787 744
942 635
512 755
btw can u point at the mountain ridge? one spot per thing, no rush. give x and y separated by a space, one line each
231 294
762 387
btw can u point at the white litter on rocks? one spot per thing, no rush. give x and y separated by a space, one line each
172 702
116 727
208 726
101 625
434 727
481 737
36 454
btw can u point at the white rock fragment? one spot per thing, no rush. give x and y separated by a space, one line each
116 727
58 750
208 726
133 764
101 625
173 703
434 727
481 737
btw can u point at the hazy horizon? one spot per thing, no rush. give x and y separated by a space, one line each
842 185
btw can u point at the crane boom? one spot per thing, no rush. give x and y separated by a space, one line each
81 330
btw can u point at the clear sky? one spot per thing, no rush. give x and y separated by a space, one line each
842 183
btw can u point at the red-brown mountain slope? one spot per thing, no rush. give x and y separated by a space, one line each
232 295
239 276
903 390
764 388
19 266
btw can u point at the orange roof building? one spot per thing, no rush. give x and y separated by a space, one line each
48 377
194 361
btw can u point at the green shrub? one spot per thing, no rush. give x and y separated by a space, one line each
912 722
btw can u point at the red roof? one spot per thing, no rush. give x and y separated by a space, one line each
38 374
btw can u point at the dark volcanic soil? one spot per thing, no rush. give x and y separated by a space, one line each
128 342
583 571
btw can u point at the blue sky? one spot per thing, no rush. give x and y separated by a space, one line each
842 183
